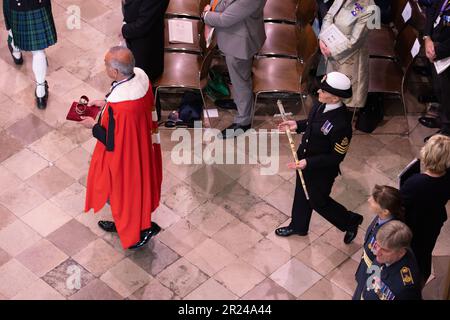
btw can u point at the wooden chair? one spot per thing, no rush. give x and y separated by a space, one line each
283 75
389 76
281 11
281 40
306 12
186 8
197 30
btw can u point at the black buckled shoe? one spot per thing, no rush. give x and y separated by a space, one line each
430 122
288 231
233 131
41 102
17 61
146 235
350 235
107 226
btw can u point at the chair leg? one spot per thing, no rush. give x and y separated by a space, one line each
205 108
354 114
302 99
254 109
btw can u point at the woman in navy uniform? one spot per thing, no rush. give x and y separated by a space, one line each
425 196
394 274
386 202
326 138
31 27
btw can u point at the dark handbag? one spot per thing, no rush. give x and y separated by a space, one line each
191 108
371 114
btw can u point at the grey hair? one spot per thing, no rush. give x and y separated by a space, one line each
125 68
394 235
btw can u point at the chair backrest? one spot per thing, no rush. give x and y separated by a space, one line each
280 10
406 41
186 8
307 43
206 63
309 81
198 44
306 11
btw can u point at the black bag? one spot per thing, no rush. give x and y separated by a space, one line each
371 114
191 108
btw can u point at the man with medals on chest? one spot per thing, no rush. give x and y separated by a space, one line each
437 47
394 274
326 139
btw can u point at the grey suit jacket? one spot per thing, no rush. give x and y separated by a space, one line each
239 26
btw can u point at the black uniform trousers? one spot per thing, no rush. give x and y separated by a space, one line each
322 203
441 85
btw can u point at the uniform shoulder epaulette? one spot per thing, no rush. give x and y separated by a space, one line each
407 277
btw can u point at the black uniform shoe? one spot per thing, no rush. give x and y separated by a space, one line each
41 103
233 131
288 231
146 235
108 226
226 104
430 122
16 61
351 233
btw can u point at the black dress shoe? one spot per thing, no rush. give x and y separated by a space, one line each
146 235
41 102
350 235
16 61
233 131
108 226
288 231
226 104
430 122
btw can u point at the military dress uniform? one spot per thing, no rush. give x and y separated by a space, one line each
438 28
368 257
398 281
325 142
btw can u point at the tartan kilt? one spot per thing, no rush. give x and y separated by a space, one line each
32 30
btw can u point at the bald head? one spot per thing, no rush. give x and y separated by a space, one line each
120 59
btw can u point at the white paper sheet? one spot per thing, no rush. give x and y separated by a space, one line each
416 48
180 31
213 113
407 12
442 65
333 37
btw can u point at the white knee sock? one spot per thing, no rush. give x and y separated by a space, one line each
40 71
16 51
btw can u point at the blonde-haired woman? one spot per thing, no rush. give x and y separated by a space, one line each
425 196
351 17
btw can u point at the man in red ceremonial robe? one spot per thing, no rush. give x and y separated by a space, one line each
126 166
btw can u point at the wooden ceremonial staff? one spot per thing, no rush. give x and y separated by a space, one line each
292 145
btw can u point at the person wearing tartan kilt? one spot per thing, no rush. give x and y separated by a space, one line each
31 27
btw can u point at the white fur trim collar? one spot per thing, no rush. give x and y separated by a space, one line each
133 89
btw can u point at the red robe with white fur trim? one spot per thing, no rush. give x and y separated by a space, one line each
130 176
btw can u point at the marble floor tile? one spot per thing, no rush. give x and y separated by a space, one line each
325 290
237 237
42 257
91 219
72 237
321 257
266 256
209 179
211 290
210 218
4 257
46 218
8 180
29 129
210 257
239 277
39 290
6 217
9 145
16 237
263 218
293 244
335 237
126 277
14 278
50 181
75 163
282 197
288 277
183 199
71 200
9 115
53 146
182 237
21 199
260 185
154 258
25 164
96 290
98 257
154 290
182 277
344 276
68 278
268 290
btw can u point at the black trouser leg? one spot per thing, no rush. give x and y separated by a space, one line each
441 85
301 209
157 104
337 214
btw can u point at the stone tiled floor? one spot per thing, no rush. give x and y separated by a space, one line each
218 220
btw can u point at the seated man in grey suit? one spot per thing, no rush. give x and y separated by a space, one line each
239 27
